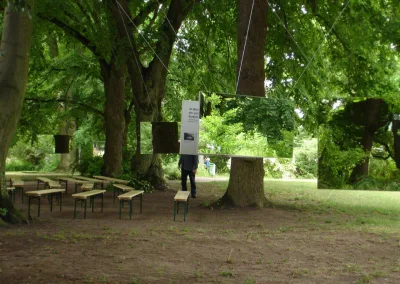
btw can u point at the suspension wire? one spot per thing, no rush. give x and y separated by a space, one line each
319 47
244 48
191 61
284 26
134 55
142 36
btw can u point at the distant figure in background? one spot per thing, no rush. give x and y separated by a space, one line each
207 162
188 165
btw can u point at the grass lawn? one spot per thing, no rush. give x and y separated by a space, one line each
374 211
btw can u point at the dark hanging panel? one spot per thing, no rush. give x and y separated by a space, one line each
62 144
165 137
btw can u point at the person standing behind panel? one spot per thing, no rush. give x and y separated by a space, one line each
188 165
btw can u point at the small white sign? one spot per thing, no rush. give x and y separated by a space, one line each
190 127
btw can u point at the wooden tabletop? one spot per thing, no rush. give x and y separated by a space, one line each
70 179
86 194
112 179
44 179
44 191
89 179
128 195
123 187
182 195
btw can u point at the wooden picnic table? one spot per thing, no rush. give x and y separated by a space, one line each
116 180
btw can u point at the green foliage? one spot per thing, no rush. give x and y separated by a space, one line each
279 168
383 169
370 183
18 165
306 159
38 156
170 166
89 166
239 125
3 212
141 184
335 164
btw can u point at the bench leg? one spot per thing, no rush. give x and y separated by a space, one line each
130 209
84 214
174 210
185 210
29 206
51 202
114 196
76 187
102 202
141 203
92 203
120 209
60 200
75 208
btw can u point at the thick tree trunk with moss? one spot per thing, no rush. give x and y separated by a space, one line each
14 59
246 182
114 119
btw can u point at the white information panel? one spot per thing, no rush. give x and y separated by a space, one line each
190 127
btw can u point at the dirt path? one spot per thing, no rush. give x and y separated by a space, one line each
212 246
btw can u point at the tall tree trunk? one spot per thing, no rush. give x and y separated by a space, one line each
15 45
246 182
67 127
114 84
148 87
374 114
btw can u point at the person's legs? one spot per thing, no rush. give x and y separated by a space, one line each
192 184
184 175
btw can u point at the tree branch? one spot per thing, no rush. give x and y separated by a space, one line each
85 106
75 34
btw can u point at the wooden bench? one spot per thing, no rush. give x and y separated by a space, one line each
120 188
95 181
181 197
66 180
36 194
115 180
19 187
92 194
87 186
128 197
48 183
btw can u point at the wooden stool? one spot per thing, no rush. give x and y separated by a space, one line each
181 197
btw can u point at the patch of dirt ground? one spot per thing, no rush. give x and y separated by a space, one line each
248 245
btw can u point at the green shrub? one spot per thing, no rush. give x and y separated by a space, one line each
141 184
370 183
170 166
19 165
3 212
90 166
383 169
